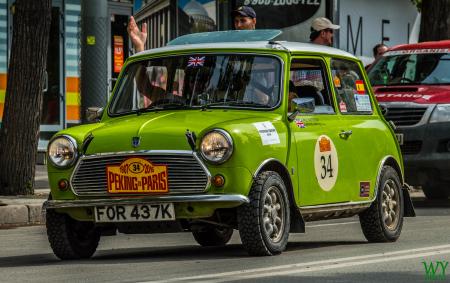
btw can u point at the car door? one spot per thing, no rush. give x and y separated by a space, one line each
365 131
323 158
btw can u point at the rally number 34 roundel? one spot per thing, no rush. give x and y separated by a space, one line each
326 162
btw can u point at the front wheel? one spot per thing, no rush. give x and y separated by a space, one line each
69 238
383 220
264 222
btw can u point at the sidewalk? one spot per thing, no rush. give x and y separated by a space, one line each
26 210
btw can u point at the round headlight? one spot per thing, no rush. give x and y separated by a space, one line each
62 151
216 146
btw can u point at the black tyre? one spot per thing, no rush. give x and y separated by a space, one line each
69 238
264 222
211 236
383 220
434 191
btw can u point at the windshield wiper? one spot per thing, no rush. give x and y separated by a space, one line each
242 103
169 105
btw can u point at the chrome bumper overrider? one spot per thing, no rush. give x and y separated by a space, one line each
238 199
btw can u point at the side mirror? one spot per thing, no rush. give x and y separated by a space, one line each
302 105
384 109
93 114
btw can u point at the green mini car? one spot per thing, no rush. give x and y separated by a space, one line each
228 130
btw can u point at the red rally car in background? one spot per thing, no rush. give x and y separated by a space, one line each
412 85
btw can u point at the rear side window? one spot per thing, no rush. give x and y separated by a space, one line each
351 90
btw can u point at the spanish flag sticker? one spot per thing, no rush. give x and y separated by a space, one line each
360 87
337 82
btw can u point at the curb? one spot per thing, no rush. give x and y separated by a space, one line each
21 215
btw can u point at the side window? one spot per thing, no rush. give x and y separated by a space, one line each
351 90
308 79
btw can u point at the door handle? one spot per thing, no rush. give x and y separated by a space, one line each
345 134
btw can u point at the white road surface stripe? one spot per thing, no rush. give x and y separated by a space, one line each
314 265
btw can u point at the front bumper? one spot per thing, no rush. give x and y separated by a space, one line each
426 153
230 200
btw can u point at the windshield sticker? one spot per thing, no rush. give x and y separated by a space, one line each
267 132
364 189
418 51
326 163
360 87
342 106
299 123
362 102
196 61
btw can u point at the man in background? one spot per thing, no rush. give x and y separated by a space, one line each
378 51
322 31
244 18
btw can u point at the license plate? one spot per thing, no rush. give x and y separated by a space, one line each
135 213
137 176
399 138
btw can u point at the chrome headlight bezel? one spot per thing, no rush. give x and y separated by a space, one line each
441 113
73 149
226 138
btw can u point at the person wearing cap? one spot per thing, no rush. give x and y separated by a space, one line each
322 31
244 18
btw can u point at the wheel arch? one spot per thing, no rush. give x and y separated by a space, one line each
392 162
272 164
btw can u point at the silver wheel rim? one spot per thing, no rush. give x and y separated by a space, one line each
390 205
274 214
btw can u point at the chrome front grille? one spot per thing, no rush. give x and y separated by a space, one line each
405 116
186 173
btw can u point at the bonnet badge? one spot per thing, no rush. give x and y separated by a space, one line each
135 141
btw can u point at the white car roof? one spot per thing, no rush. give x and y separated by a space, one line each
263 45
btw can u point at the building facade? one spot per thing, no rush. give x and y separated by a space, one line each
100 31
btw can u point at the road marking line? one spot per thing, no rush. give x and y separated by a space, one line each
332 224
306 266
332 266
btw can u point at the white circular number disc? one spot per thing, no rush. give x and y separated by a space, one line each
326 163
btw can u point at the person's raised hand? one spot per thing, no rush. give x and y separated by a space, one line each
138 37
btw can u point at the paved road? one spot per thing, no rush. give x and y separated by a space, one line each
333 251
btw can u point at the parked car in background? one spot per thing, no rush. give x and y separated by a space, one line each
223 131
412 83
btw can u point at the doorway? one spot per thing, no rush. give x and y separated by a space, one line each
52 115
119 44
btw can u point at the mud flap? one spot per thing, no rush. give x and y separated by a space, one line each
409 207
297 222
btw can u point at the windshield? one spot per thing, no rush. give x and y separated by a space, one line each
194 81
408 69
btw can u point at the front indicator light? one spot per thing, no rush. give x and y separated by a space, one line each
218 181
63 184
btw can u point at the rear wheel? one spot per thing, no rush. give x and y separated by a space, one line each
211 236
436 191
264 222
69 238
383 220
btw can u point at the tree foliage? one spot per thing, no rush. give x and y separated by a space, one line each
19 133
435 20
